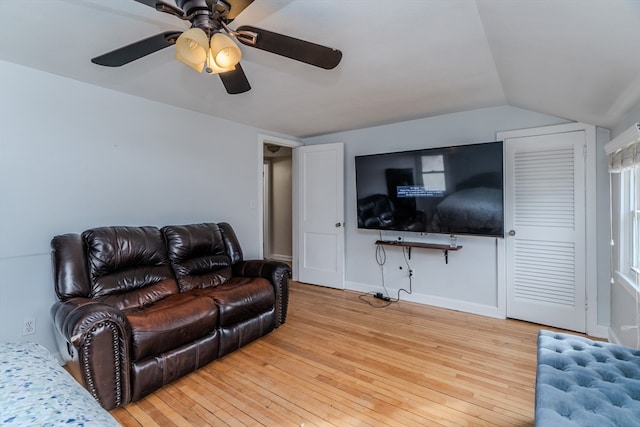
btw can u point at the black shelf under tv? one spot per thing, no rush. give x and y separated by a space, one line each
421 245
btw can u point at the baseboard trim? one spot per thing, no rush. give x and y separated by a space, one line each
451 304
612 337
600 331
279 257
58 356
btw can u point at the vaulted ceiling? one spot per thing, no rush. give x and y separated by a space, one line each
402 59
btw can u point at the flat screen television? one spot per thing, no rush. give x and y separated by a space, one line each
450 190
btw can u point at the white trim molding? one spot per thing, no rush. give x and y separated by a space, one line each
627 137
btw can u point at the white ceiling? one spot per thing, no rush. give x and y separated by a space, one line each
402 59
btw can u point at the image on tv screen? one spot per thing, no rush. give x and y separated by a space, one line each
451 190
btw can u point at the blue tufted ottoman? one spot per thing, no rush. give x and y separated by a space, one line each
583 383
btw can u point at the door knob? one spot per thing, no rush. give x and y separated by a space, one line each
512 232
338 225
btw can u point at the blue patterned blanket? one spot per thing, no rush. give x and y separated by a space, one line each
36 391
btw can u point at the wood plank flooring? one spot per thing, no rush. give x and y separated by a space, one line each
338 361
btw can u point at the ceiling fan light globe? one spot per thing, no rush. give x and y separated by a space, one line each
192 47
225 52
212 68
227 57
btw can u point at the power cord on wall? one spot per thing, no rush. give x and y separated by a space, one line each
410 270
381 259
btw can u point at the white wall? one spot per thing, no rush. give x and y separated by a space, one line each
469 281
75 156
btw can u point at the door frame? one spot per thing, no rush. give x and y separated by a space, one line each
275 140
590 210
266 208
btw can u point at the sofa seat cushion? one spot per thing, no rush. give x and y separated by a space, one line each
241 298
170 323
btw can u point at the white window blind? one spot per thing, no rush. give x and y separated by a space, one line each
624 150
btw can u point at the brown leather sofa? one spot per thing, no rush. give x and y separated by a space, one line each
142 306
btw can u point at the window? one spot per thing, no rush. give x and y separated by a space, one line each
634 202
627 235
624 167
433 174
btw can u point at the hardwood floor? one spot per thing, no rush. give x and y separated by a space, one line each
337 361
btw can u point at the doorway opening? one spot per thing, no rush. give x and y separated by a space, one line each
277 206
263 141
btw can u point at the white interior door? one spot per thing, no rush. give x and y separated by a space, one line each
320 178
546 229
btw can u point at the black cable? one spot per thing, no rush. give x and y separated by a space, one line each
410 270
386 303
381 259
381 255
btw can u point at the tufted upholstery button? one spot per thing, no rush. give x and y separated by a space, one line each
580 382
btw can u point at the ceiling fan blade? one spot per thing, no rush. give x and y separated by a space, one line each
235 81
236 6
137 50
300 50
161 6
151 3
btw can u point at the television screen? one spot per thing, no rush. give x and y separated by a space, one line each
451 190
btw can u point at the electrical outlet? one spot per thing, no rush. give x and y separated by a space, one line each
28 326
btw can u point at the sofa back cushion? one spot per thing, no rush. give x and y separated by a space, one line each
70 274
198 255
128 266
231 242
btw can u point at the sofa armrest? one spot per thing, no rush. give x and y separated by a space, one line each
96 337
278 273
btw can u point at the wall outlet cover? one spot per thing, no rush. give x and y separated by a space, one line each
28 326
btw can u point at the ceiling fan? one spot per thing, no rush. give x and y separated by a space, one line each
207 45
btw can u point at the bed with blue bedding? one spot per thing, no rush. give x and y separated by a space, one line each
36 391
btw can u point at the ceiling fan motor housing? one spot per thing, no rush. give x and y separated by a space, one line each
191 6
204 14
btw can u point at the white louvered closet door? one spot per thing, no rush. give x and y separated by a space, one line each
545 229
